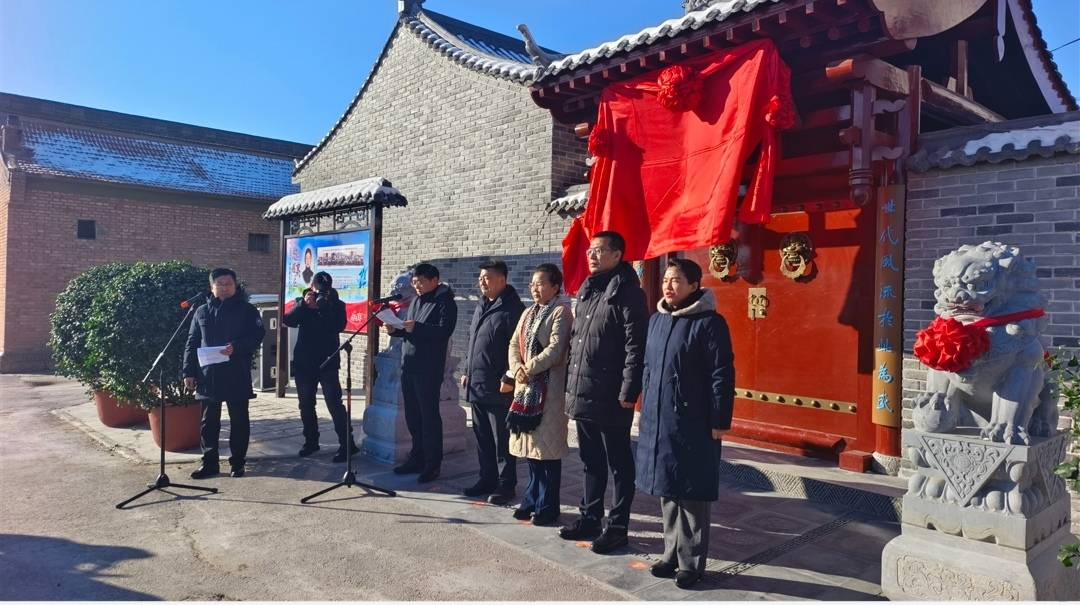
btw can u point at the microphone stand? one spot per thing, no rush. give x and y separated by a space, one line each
162 480
349 478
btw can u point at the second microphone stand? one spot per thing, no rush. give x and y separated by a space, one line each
349 479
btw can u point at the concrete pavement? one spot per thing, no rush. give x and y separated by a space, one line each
774 535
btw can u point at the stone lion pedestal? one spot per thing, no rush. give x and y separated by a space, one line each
982 521
386 436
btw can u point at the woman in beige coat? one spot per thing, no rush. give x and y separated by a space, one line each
537 418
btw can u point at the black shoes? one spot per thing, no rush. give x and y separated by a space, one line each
409 467
501 496
478 489
663 569
686 579
522 514
237 471
545 520
581 529
340 456
429 475
205 472
308 449
613 538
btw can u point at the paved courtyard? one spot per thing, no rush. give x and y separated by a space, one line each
785 528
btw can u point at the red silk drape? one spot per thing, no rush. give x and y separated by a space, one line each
670 149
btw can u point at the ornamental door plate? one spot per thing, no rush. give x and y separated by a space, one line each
757 303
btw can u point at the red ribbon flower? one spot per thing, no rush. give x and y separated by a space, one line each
680 88
599 141
949 345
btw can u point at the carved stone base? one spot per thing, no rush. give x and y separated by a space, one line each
386 435
886 465
923 564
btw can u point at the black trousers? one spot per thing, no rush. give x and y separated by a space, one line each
602 447
421 394
210 430
493 446
306 387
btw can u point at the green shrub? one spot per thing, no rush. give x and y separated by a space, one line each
1066 369
69 324
130 322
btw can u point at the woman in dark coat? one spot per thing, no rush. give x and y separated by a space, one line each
689 391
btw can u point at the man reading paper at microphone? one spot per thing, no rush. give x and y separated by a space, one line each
228 329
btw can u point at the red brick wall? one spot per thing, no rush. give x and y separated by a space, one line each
135 225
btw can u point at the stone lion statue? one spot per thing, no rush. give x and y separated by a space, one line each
1006 391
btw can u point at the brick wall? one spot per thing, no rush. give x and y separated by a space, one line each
1032 204
476 158
140 226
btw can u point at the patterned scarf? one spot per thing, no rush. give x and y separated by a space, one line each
527 408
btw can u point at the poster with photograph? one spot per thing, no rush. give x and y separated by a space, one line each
345 256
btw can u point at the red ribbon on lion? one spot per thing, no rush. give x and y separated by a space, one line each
952 346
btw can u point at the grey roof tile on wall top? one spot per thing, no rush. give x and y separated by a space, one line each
1018 139
717 12
358 193
474 47
126 159
575 200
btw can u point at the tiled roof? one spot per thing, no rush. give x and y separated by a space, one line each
473 47
671 28
575 200
335 197
1045 58
1019 139
476 48
69 151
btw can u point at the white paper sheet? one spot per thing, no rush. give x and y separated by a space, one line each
208 356
388 317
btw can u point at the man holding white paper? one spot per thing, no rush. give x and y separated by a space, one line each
226 327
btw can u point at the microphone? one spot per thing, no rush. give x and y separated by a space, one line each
187 303
386 299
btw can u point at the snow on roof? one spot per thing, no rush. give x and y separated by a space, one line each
575 200
336 197
72 152
718 11
1044 135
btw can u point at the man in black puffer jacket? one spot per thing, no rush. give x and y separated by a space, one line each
320 317
429 324
493 323
228 320
603 382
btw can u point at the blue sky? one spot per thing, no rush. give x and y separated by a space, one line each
287 69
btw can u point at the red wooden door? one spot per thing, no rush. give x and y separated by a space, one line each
803 370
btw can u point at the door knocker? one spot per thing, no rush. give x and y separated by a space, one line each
722 261
796 256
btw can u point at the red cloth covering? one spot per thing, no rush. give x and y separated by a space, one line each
671 146
951 346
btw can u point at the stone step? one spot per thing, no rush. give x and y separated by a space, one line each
877 496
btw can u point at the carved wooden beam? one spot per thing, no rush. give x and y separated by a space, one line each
947 104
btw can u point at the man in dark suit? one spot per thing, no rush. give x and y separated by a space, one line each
429 324
228 320
493 324
603 382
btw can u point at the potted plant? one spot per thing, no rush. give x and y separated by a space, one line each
1066 367
67 341
130 322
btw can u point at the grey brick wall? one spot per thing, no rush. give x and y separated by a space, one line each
1032 204
476 158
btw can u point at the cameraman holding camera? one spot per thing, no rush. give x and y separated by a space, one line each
320 317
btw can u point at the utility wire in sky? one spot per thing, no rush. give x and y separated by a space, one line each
1073 41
